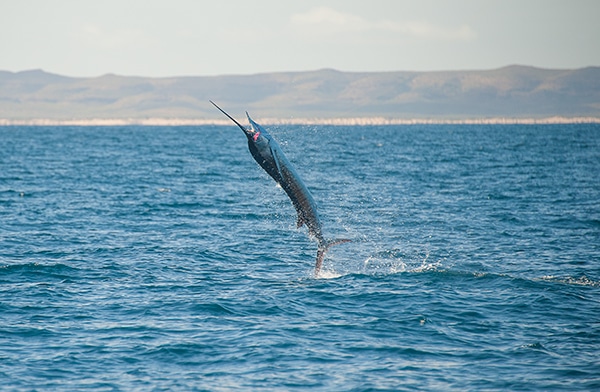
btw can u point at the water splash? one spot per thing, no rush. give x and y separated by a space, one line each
383 262
399 260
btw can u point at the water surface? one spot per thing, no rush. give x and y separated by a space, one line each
163 258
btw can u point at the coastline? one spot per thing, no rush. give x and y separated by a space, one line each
298 121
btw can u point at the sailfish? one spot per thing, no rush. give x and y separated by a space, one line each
267 153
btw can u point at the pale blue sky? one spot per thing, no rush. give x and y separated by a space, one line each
187 37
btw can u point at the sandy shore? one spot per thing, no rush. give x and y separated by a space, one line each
299 121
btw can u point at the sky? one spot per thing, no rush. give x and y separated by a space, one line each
160 38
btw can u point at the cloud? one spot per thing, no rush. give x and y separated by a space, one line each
325 17
326 20
96 36
430 31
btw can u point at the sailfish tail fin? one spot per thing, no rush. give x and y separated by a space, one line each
323 248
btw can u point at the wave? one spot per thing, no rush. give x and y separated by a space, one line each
56 271
572 280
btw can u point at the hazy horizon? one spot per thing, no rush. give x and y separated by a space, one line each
293 71
513 92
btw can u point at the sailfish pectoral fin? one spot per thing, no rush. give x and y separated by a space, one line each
276 159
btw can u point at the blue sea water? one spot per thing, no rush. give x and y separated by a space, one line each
164 258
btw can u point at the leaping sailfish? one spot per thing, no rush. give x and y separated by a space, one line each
270 157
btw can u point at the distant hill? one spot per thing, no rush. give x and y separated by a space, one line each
513 91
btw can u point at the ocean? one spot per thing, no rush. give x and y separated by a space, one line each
149 258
